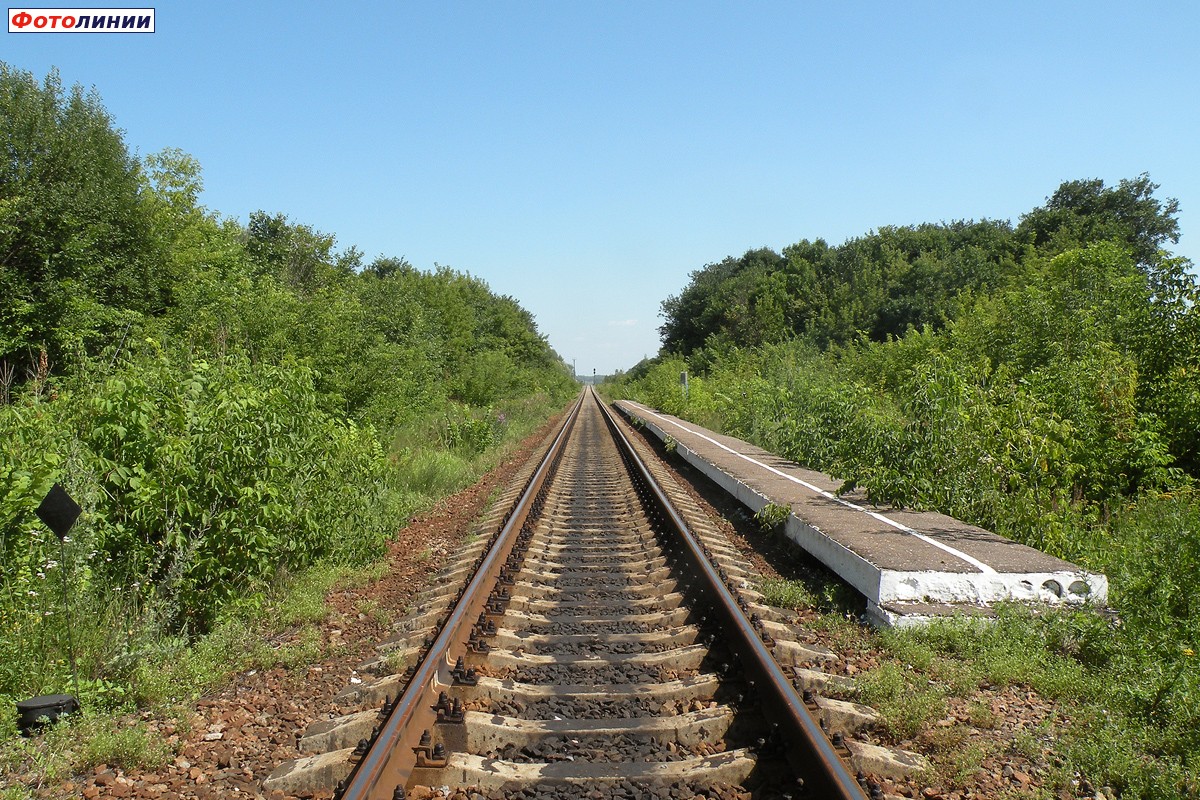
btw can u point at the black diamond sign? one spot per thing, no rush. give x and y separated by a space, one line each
58 511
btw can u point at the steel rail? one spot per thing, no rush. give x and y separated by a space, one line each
390 759
816 756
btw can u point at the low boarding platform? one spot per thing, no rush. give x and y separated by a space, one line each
911 566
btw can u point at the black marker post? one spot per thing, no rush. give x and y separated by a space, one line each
59 512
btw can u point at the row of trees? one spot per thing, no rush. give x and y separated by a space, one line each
92 242
881 284
896 280
1039 379
228 402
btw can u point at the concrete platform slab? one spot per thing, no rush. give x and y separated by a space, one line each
892 556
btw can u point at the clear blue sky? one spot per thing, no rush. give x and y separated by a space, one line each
585 157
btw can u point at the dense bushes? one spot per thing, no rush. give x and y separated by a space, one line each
1027 414
199 484
1054 398
229 404
217 476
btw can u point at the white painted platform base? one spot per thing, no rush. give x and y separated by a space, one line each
1015 572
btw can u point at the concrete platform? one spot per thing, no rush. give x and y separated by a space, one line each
899 560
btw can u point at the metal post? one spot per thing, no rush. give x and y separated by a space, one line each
62 554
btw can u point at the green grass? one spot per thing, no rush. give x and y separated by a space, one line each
821 593
1125 710
1128 705
955 757
281 631
74 745
376 612
904 698
302 599
771 516
435 473
151 668
432 472
357 577
300 649
127 748
1127 696
785 593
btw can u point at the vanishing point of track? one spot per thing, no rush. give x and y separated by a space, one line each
596 651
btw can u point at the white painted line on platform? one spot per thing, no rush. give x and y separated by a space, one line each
982 567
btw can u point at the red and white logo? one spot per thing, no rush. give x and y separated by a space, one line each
81 20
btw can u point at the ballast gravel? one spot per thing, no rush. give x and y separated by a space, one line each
567 628
601 646
627 790
563 674
568 707
597 749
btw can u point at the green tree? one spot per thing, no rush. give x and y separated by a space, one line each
76 248
1083 212
298 255
722 298
879 285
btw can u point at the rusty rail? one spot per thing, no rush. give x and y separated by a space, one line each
397 748
808 750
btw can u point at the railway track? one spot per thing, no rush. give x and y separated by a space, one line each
593 647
